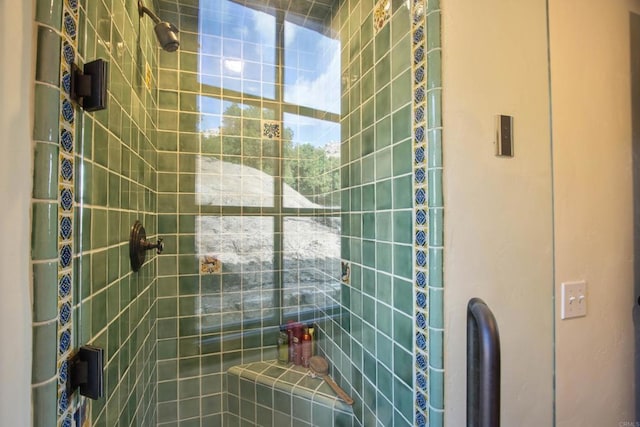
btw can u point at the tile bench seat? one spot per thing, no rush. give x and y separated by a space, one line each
268 394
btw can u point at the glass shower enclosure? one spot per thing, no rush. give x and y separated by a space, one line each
250 151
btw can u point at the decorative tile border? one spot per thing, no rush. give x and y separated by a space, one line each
381 14
65 210
210 264
418 65
271 129
428 212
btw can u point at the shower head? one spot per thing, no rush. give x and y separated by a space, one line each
166 32
167 35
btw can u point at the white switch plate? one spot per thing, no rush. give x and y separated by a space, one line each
574 299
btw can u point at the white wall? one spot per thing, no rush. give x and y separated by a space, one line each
498 212
16 87
589 44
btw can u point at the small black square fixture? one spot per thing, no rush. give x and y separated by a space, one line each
89 86
86 372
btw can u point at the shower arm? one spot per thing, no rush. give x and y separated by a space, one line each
142 9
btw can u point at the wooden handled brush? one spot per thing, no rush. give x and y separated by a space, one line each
319 366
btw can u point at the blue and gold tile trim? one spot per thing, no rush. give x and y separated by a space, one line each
428 212
65 209
421 230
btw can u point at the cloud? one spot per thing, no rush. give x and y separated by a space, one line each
265 25
323 91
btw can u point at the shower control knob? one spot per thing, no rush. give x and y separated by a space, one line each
139 245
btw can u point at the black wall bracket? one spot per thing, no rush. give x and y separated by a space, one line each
86 372
89 87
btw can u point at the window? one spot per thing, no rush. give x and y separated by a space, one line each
269 205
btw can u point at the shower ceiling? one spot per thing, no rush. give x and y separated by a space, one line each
312 14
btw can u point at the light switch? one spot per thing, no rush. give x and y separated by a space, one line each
574 299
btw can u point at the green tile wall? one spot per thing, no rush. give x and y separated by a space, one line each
115 183
116 158
371 344
44 236
190 318
209 127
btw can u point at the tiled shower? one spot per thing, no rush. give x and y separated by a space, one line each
281 153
